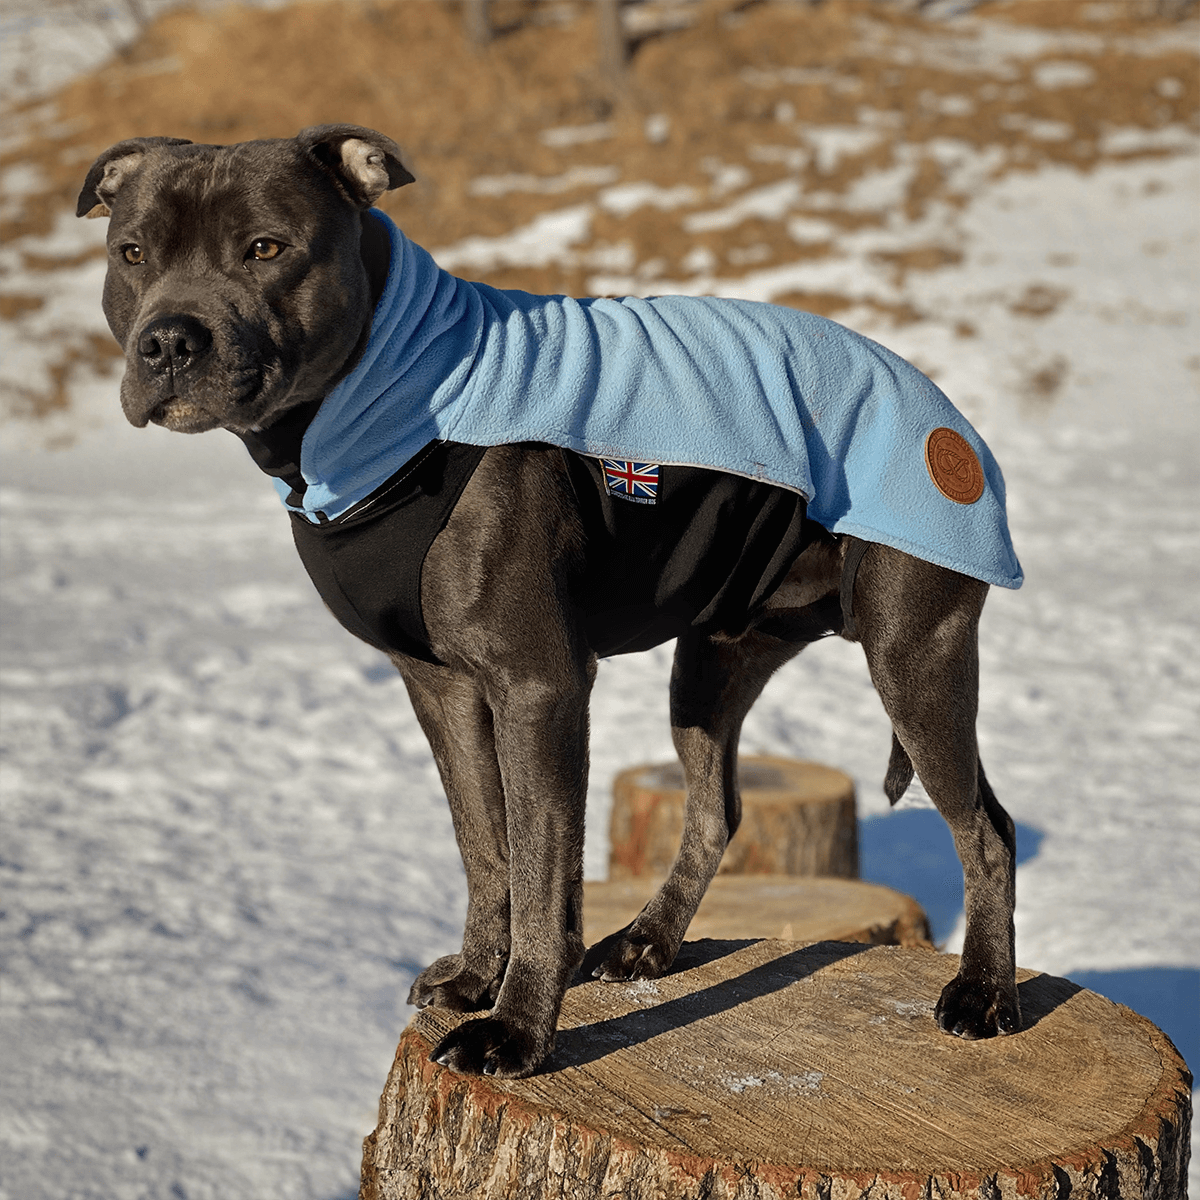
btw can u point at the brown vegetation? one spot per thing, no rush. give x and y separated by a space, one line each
723 107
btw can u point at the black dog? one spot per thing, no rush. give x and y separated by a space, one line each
242 284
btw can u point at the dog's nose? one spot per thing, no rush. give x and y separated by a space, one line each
173 343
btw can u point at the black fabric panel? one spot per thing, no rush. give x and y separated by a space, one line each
367 564
276 449
704 556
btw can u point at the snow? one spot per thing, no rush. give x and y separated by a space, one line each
501 185
545 239
810 1081
224 846
627 197
773 200
576 135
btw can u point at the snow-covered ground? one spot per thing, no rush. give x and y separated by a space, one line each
224 848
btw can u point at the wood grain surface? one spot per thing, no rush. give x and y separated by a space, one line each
770 906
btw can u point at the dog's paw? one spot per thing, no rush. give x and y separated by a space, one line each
492 1046
974 1009
628 954
451 983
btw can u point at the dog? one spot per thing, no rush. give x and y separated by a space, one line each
496 553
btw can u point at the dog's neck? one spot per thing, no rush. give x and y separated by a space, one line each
376 251
277 450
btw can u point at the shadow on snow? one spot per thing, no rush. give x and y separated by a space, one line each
911 850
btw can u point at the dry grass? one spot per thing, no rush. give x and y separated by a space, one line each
404 66
739 89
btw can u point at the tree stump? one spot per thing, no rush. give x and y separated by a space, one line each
758 1070
798 818
771 906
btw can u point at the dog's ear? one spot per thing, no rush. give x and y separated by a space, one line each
365 163
112 169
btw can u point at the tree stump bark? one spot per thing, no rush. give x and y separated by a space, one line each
798 818
758 1070
771 906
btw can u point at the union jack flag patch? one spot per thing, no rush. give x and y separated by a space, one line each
636 481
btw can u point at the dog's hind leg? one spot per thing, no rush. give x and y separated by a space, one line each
918 624
458 723
713 685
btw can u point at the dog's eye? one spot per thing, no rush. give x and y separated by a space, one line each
265 249
133 254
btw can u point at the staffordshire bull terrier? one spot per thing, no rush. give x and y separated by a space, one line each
497 488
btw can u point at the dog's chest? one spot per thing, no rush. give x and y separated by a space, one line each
367 565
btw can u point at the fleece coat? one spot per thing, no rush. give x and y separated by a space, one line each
756 390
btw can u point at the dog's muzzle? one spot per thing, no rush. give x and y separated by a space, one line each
178 377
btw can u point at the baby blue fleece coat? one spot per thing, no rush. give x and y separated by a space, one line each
758 390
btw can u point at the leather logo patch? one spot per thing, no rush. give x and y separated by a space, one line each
953 466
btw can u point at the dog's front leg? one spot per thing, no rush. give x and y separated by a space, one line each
458 723
541 741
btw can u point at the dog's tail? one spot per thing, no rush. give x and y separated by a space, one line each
899 771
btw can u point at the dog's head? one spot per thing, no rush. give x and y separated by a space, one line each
236 284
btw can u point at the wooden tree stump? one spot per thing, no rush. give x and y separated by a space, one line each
771 906
798 818
759 1070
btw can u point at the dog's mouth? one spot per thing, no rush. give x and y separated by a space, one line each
183 416
196 413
